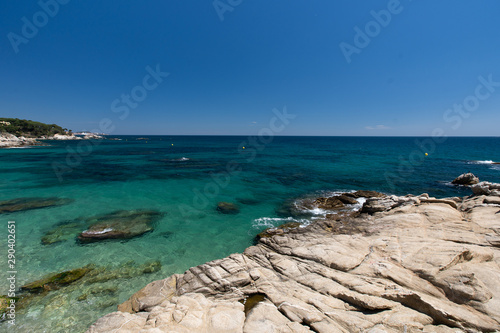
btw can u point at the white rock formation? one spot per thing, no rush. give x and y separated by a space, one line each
10 140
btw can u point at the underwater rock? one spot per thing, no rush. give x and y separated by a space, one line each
123 224
57 281
4 304
466 179
125 271
227 208
22 204
62 232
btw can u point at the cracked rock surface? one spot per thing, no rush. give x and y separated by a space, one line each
405 264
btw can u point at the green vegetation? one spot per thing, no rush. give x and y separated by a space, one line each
30 128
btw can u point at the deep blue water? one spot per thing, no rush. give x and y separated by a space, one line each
185 177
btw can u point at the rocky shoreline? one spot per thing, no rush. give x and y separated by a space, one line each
8 140
399 264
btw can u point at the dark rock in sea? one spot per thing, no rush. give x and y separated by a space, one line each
62 232
56 281
227 208
328 203
466 179
280 230
365 194
22 204
347 199
123 224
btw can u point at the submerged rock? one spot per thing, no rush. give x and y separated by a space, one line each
22 204
62 232
227 208
56 281
466 179
5 302
123 224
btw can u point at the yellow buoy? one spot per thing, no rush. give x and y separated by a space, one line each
243 147
172 144
426 154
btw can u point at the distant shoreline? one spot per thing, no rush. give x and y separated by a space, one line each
8 140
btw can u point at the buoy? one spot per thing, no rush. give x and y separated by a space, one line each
243 147
426 154
172 144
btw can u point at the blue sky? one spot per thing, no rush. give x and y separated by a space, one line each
226 76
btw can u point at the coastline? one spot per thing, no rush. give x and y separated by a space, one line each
8 140
401 263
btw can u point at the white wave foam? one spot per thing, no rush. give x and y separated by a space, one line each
273 222
359 205
482 162
182 159
99 232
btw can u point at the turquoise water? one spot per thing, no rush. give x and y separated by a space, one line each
185 177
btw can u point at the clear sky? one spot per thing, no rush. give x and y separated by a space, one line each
74 63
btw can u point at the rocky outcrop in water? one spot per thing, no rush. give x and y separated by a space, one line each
405 264
22 204
56 281
227 208
123 224
466 179
10 140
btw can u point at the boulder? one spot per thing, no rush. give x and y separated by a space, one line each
348 200
227 208
123 224
329 203
466 179
22 204
56 281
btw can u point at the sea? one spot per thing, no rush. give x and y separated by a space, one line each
184 178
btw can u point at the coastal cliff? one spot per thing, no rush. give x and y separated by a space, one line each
399 264
16 132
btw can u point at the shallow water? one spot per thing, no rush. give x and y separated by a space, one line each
185 177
